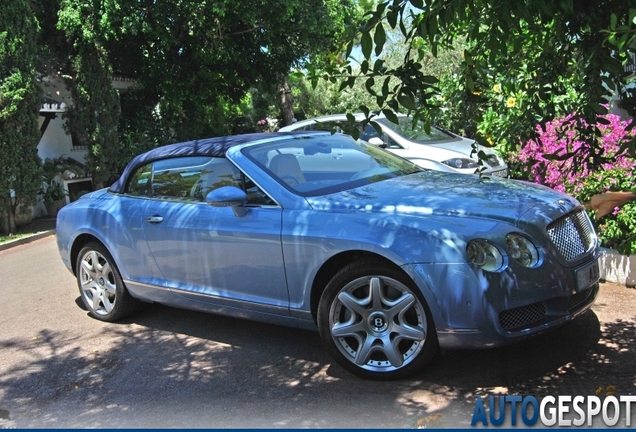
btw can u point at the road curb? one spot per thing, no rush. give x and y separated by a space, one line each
27 239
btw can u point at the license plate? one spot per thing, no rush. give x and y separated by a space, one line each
502 173
587 276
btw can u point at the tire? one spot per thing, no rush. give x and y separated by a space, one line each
101 288
375 323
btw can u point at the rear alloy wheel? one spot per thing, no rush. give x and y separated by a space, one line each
375 323
100 285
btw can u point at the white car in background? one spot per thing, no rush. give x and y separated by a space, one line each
438 150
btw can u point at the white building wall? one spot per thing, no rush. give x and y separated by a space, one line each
55 142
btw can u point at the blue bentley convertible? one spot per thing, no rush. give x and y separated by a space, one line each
388 261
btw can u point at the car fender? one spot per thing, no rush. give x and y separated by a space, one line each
400 239
114 223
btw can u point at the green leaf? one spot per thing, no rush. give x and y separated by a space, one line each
364 66
567 6
392 17
390 115
470 84
369 83
407 102
433 30
379 39
367 45
380 10
351 128
622 42
422 29
385 87
377 127
349 49
378 66
430 79
556 157
403 29
427 126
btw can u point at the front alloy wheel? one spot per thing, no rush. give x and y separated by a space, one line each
374 323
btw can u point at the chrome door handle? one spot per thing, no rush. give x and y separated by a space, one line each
154 219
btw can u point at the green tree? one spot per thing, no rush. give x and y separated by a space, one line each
20 165
331 96
190 57
502 107
532 48
93 118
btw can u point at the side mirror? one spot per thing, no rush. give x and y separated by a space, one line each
228 196
376 141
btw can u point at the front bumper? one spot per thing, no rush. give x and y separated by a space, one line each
474 309
530 321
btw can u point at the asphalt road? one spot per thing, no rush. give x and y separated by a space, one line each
172 368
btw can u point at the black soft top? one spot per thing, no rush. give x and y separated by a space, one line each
215 147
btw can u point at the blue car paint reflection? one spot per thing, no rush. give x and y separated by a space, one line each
298 228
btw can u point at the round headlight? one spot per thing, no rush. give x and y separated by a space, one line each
484 255
522 250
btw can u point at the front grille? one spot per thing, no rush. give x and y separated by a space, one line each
521 316
536 314
572 234
576 299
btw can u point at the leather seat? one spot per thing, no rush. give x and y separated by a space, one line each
286 167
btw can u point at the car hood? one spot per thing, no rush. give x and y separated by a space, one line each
461 146
461 195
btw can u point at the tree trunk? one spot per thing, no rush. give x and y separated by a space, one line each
7 222
286 100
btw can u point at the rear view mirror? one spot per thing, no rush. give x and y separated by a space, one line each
377 142
318 147
228 196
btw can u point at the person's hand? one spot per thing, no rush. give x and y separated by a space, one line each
606 202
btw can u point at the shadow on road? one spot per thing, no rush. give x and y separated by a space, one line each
165 357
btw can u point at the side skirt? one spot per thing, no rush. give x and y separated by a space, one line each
221 306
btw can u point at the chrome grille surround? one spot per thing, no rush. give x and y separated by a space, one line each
572 234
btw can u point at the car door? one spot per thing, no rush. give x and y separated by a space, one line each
208 253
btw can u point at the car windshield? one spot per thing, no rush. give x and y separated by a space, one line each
323 164
415 134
